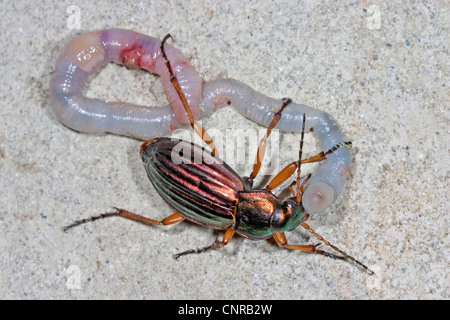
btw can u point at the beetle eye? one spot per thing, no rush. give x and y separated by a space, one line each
287 210
290 202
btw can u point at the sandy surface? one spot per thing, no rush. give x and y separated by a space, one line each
380 71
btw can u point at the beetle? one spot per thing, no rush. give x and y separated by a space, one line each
205 190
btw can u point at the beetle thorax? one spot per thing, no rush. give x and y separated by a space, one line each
254 212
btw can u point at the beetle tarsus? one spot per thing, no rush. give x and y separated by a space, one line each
330 255
86 220
178 255
216 245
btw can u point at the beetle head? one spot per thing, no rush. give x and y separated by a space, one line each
288 216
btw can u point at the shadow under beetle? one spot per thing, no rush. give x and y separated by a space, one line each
212 194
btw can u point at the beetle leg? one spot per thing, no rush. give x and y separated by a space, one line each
280 238
282 176
262 144
345 255
196 126
289 170
172 219
300 188
217 244
322 155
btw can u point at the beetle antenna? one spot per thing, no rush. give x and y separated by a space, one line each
299 192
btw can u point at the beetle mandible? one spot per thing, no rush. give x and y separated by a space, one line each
212 194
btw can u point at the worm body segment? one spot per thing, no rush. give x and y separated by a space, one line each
84 54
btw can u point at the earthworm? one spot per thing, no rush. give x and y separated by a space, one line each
83 55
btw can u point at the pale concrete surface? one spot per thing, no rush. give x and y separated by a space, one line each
381 70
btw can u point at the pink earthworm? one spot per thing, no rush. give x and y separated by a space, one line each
85 53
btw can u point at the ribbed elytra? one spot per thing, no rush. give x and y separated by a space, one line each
192 179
